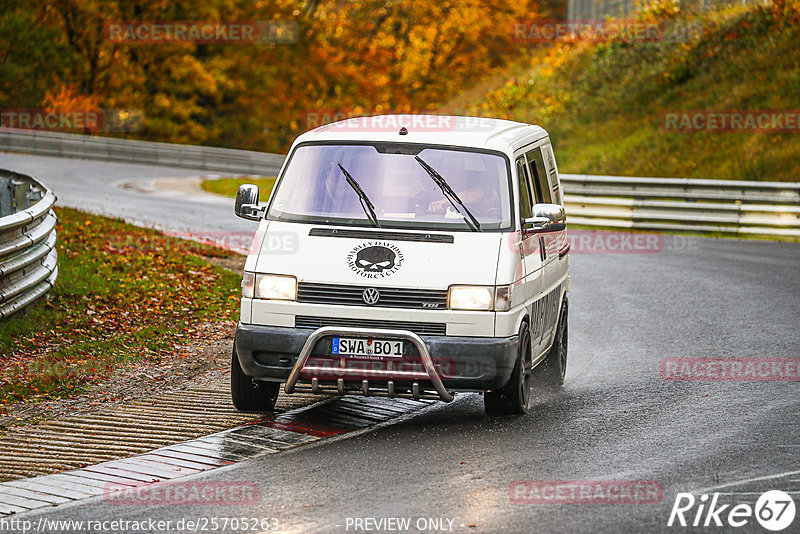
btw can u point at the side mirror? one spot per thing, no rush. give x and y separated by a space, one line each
546 218
247 203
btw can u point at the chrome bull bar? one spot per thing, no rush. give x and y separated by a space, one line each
342 373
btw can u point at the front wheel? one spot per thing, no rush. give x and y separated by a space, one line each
513 399
249 395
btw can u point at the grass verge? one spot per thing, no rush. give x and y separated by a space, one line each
605 102
230 186
124 295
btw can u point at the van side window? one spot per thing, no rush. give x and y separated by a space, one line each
552 173
525 210
539 175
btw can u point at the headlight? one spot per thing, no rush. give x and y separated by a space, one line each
471 298
479 298
275 287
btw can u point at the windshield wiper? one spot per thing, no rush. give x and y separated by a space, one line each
450 195
366 205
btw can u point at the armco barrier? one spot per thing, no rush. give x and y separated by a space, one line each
683 204
139 152
28 256
659 204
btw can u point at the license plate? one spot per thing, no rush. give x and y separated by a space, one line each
369 348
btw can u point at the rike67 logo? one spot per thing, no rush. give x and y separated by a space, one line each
774 510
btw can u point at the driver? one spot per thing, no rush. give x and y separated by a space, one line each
469 183
469 195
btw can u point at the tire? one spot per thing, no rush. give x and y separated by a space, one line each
514 397
548 376
249 395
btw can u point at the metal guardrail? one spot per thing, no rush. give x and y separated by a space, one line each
28 256
593 10
683 204
679 204
139 152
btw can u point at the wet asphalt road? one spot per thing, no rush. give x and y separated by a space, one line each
615 419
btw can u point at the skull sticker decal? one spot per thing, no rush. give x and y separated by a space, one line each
375 259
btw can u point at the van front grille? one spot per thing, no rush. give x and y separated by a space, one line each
432 329
390 297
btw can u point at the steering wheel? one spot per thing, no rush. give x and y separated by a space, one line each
421 201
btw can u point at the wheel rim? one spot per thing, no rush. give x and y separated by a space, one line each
562 345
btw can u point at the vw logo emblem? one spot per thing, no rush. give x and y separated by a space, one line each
371 296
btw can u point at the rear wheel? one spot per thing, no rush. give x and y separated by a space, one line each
548 376
249 395
513 399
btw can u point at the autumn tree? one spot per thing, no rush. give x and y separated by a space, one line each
365 56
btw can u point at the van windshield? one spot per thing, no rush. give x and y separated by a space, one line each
396 186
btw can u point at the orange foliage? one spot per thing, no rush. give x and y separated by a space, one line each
361 56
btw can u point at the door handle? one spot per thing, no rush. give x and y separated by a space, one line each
542 250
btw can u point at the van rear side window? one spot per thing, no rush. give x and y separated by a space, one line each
552 172
539 175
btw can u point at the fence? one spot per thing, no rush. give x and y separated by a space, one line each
683 204
139 152
589 10
729 206
28 256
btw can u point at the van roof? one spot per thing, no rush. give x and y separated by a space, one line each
474 132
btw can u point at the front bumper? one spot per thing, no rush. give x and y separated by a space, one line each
270 353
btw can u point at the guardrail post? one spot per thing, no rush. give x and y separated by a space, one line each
21 189
33 196
6 198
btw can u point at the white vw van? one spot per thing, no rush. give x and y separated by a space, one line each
423 256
